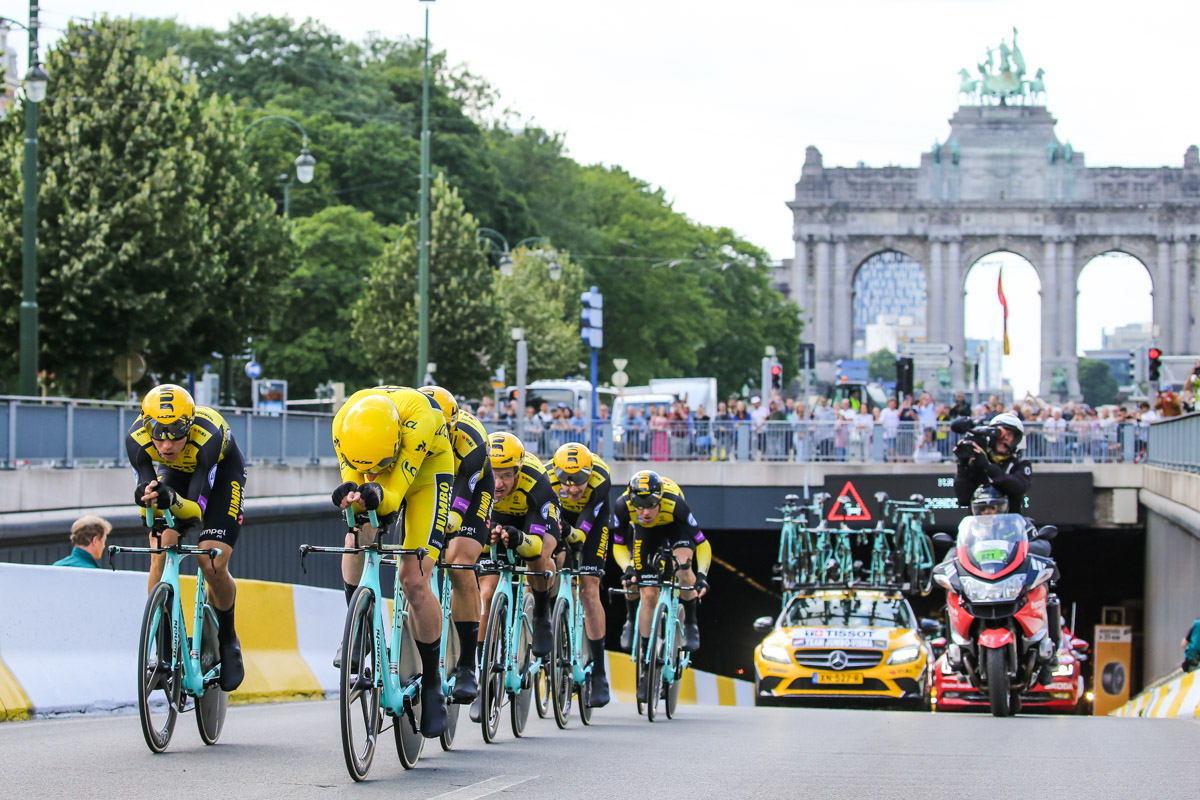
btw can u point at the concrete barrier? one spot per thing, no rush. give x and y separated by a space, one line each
69 637
1177 698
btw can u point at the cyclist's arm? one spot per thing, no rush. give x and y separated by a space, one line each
597 513
470 472
542 517
703 556
622 536
140 460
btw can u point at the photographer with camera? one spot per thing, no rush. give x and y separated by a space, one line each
991 454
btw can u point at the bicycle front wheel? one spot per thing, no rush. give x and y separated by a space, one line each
449 665
658 652
585 688
523 699
358 703
639 664
159 685
560 663
406 727
925 565
491 669
672 698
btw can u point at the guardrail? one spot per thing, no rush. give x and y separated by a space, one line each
70 432
1174 443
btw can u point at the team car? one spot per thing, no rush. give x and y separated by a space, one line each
844 644
1066 694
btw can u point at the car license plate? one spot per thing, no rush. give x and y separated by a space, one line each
837 677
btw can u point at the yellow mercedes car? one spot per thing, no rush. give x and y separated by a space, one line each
844 643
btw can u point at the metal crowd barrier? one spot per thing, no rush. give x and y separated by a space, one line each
1174 443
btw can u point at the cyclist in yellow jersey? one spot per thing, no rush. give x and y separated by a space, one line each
466 529
394 451
653 510
202 482
583 484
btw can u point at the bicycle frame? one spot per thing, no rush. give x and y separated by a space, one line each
193 677
442 585
670 600
568 591
504 565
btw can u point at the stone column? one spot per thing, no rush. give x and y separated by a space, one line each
801 292
843 310
1180 286
1068 296
954 288
1162 294
935 290
822 306
1050 305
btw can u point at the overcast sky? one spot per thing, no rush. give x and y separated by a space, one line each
716 101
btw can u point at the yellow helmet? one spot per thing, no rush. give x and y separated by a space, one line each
445 401
505 450
573 464
370 438
169 411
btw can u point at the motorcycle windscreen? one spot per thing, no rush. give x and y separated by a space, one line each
990 544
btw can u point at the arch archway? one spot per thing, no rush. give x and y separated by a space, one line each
1021 370
1115 315
889 296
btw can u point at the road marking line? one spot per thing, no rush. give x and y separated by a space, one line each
484 788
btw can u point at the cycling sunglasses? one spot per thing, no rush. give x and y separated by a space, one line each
645 500
574 478
169 430
382 466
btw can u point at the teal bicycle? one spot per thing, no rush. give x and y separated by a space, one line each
880 571
380 672
508 668
173 666
913 550
450 644
665 658
795 544
570 669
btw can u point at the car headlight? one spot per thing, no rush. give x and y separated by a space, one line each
904 655
776 653
979 591
1063 671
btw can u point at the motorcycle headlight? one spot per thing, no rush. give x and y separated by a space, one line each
978 591
776 653
904 655
1062 671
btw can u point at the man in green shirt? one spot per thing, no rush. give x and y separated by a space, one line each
89 535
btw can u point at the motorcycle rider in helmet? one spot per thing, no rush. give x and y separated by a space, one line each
1000 466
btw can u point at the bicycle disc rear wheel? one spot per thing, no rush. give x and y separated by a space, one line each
639 664
406 726
560 663
449 665
358 702
523 699
159 686
672 698
654 667
491 670
585 688
212 705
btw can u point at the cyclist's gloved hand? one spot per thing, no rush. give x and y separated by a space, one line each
372 495
701 584
339 494
140 491
630 576
166 496
514 537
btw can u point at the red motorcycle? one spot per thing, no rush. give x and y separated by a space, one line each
1002 629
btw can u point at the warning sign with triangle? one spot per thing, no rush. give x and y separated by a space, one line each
848 506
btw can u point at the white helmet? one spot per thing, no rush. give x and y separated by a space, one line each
1014 424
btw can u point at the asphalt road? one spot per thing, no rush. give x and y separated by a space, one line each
294 751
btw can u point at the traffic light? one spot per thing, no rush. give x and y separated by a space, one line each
808 356
777 376
1155 364
592 330
904 376
1137 365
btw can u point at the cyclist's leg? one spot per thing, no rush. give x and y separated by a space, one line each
427 504
595 552
685 574
539 587
465 548
222 523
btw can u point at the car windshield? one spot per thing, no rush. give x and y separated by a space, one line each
849 611
992 542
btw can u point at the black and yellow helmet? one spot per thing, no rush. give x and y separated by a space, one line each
573 464
505 451
645 489
169 411
445 401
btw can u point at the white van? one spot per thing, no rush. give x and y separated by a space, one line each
574 393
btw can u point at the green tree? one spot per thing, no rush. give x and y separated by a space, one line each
310 340
547 310
149 238
1096 382
881 365
464 320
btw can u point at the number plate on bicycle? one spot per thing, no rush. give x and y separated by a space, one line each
837 677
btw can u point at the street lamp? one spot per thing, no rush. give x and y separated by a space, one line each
554 267
305 163
423 215
496 239
35 92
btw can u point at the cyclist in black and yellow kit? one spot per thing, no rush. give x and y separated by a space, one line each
525 519
466 529
583 484
202 481
394 450
654 514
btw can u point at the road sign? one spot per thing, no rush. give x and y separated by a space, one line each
922 348
620 363
931 362
253 369
620 379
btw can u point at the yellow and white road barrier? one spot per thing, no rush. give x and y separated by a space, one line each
69 639
1177 698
